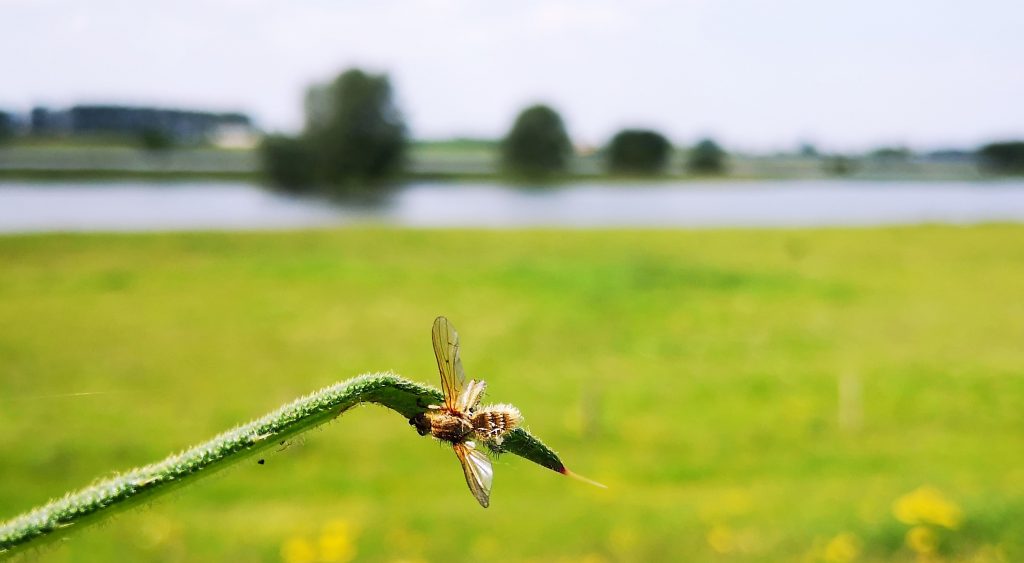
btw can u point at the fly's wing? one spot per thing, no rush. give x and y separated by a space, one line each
446 349
470 396
479 473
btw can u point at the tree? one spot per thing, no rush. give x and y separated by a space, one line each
355 129
1003 158
807 150
706 158
354 135
637 151
537 145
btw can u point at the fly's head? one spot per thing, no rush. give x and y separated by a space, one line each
422 423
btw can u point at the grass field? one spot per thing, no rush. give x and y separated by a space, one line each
809 395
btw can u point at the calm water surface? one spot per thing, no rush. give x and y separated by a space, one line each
142 206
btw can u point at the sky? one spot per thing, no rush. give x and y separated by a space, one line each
757 75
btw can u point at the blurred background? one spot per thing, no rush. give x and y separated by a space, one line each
755 267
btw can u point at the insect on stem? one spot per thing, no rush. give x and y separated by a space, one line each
460 422
461 419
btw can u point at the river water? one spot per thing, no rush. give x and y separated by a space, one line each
152 206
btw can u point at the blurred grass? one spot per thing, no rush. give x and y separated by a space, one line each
696 373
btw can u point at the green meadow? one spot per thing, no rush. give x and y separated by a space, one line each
830 395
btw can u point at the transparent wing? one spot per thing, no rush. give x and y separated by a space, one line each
470 396
446 349
479 473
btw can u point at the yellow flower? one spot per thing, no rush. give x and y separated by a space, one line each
298 550
336 543
926 505
843 548
922 540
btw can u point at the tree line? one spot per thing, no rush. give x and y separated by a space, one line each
355 136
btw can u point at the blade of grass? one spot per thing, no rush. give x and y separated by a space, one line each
76 509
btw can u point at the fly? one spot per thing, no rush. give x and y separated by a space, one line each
460 421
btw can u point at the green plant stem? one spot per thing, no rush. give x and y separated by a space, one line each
127 489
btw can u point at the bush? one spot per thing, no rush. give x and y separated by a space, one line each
839 165
706 158
288 162
635 151
1003 158
891 154
155 140
537 145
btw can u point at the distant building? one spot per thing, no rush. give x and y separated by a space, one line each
182 126
43 121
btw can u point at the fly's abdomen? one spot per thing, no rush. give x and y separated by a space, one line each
493 422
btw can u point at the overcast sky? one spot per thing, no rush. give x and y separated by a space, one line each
756 74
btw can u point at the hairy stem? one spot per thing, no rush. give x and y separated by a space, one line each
126 489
